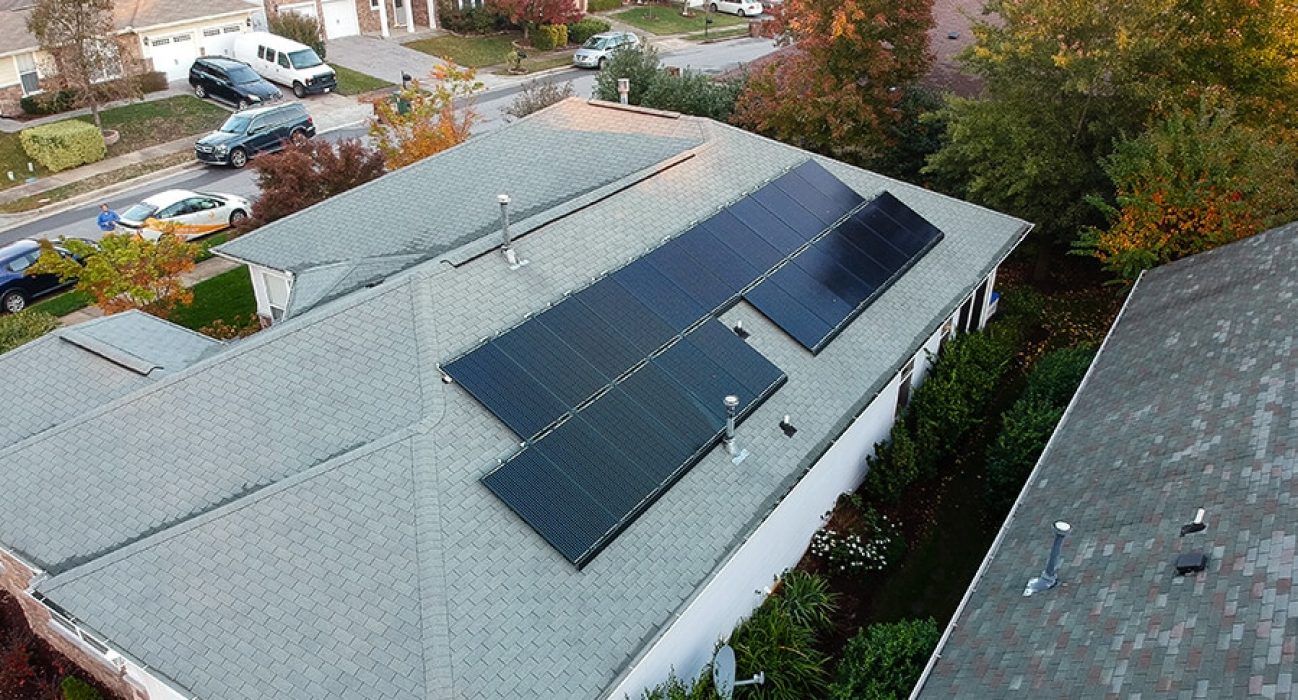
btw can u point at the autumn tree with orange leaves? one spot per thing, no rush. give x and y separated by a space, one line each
1192 182
124 270
421 122
839 90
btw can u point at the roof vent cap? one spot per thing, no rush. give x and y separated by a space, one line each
1049 577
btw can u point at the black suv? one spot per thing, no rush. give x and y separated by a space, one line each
253 131
230 81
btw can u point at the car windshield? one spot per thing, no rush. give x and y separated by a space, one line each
242 74
595 42
305 58
139 212
236 124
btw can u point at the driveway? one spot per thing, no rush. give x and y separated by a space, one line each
384 59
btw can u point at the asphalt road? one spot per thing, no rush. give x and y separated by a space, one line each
80 222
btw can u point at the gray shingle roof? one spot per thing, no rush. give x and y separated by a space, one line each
74 370
339 420
548 163
1190 403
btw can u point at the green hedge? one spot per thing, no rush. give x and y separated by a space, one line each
64 144
17 329
549 37
884 661
694 93
579 32
603 5
469 20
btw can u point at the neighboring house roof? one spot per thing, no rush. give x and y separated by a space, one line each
302 513
1190 403
137 15
79 368
548 168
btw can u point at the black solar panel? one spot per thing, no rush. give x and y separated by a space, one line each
823 288
518 399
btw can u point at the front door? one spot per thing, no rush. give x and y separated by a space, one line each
399 15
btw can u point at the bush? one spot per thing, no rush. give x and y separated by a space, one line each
884 661
537 95
676 689
299 28
17 329
774 642
873 546
639 65
693 93
579 32
64 144
603 5
76 689
549 37
48 103
893 466
1055 377
469 20
807 600
153 81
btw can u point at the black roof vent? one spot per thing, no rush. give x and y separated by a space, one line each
1191 563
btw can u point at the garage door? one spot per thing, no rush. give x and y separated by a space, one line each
340 18
173 53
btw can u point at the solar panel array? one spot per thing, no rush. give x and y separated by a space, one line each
822 288
617 390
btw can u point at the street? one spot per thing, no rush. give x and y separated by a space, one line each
80 222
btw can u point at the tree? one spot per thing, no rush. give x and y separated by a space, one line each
303 29
24 327
302 175
420 123
537 95
839 92
79 34
1192 182
639 65
530 13
124 271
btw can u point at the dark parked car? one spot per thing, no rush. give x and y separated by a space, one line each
230 81
18 288
253 131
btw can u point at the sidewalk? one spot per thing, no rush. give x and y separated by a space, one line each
202 271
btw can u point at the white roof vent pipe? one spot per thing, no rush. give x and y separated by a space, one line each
1049 577
732 447
507 244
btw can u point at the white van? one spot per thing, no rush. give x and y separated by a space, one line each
286 62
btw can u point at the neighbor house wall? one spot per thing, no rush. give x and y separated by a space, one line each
778 543
262 293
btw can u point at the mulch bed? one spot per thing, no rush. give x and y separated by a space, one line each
30 669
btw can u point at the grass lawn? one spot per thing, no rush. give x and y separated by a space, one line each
63 303
145 124
352 82
14 158
91 184
470 52
536 62
663 19
226 297
718 34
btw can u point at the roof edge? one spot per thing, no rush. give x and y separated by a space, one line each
1009 518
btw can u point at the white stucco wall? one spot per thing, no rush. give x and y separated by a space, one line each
774 547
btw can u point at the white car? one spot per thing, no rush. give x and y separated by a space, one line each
598 49
741 9
192 214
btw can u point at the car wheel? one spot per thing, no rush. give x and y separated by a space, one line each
714 7
603 62
243 104
200 91
238 157
14 302
740 13
237 216
299 91
298 137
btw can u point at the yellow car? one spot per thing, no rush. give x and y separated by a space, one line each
191 214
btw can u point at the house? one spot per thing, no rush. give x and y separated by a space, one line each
156 34
1190 404
403 490
341 18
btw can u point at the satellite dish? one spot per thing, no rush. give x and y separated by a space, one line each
723 672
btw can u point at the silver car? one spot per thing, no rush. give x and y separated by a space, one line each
599 48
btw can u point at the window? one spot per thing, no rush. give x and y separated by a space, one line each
276 295
903 387
160 42
180 38
261 52
231 29
212 31
979 303
945 336
27 73
111 66
283 61
374 4
965 309
26 261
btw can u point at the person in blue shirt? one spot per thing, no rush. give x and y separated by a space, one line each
107 219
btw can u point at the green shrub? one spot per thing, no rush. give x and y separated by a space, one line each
549 37
773 642
1025 428
1055 377
48 103
693 93
64 144
153 81
884 661
893 466
299 28
603 5
676 689
873 544
807 600
639 65
537 95
76 689
469 20
24 327
579 32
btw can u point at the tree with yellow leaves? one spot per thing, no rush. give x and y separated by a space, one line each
421 122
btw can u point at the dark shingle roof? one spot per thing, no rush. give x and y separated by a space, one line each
310 508
1190 403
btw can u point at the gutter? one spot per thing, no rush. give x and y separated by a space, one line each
1000 536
